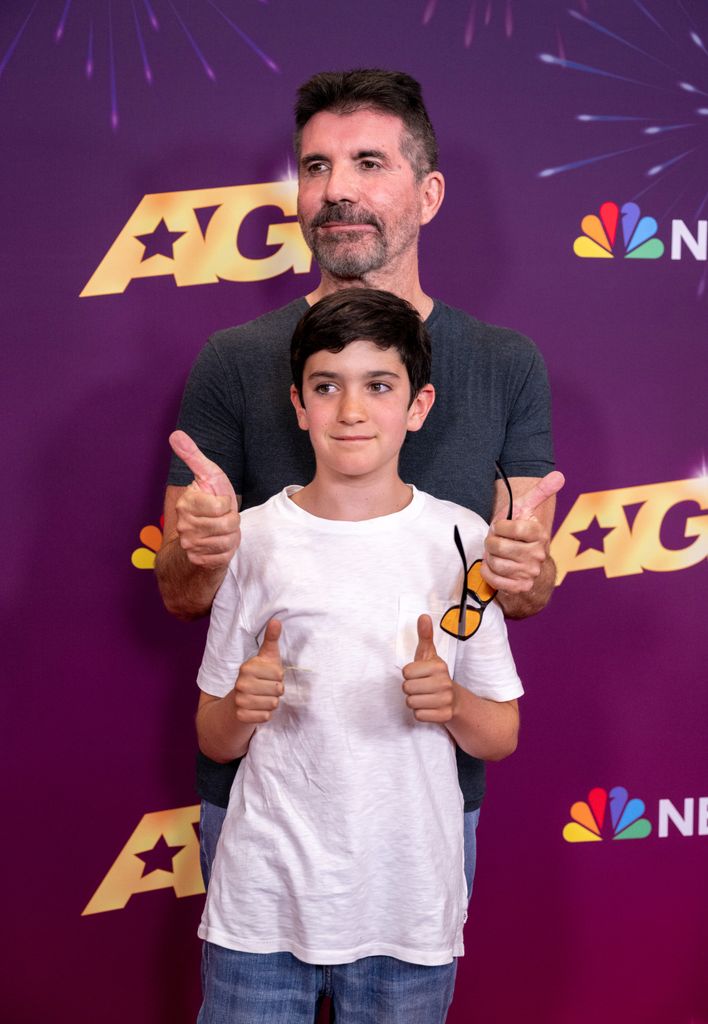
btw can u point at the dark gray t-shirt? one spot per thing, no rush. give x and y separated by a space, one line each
492 403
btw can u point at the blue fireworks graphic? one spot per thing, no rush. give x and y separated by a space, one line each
659 108
106 39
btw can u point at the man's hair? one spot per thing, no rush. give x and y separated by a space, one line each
363 314
392 92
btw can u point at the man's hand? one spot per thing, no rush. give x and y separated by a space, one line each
259 685
516 550
207 519
430 693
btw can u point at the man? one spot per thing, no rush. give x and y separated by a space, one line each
368 181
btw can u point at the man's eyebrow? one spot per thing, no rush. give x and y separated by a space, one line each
361 154
378 154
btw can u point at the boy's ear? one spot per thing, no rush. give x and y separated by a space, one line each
420 407
300 410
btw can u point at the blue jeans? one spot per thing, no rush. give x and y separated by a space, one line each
276 988
212 818
210 823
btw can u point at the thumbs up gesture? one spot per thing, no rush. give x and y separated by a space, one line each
430 693
259 685
516 549
207 519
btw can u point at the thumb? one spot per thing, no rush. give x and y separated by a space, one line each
525 507
269 646
209 477
426 646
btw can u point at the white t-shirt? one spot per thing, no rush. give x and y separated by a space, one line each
343 835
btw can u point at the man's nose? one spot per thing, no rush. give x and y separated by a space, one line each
341 185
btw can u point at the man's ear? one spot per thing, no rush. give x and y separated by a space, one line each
432 193
300 410
420 407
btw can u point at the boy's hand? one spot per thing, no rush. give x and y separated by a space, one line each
430 693
207 511
259 685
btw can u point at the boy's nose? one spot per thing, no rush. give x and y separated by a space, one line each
351 410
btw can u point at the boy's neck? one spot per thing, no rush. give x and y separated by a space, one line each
353 499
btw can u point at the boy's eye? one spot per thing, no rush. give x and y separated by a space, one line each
378 386
324 389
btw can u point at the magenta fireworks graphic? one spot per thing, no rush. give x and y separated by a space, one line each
478 16
103 36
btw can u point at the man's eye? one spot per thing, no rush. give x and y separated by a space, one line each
317 167
370 165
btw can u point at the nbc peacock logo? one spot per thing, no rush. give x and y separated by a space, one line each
591 823
601 237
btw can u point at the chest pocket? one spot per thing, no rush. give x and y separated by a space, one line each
410 608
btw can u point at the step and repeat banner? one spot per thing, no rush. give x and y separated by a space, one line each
149 198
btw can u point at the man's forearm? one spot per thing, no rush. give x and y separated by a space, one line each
521 606
187 590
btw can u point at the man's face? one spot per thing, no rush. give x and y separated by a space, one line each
359 204
356 406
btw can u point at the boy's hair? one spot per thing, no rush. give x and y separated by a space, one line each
363 314
392 92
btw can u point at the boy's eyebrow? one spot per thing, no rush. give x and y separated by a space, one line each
316 374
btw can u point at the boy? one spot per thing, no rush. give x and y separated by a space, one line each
340 866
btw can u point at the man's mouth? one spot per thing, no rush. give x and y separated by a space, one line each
338 218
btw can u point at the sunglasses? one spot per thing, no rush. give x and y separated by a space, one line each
464 619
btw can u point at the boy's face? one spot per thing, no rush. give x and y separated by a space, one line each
357 408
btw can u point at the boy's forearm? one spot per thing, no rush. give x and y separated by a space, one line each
187 590
486 729
221 735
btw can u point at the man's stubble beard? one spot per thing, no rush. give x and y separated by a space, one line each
349 258
344 256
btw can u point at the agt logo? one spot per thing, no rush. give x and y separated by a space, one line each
615 816
194 237
655 527
161 853
625 232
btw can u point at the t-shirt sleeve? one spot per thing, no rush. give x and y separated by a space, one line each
212 414
229 641
528 444
484 664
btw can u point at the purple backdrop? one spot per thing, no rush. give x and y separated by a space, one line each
544 114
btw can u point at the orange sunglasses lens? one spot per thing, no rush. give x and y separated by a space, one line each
478 585
450 622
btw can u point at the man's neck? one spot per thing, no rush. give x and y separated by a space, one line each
353 499
407 288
